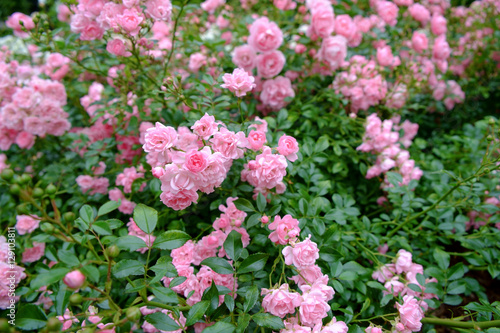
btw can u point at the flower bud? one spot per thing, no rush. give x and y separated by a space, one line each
74 280
76 299
7 174
37 192
133 313
51 189
69 216
54 324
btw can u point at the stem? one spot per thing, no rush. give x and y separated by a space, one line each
461 324
173 38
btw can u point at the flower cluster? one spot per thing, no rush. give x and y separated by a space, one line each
398 275
193 253
382 139
31 106
10 273
308 308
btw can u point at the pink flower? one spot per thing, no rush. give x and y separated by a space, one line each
25 140
335 326
384 56
159 138
288 147
302 254
183 256
180 200
441 49
419 41
388 11
403 261
74 279
419 13
438 25
14 20
284 4
117 47
256 139
313 308
26 224
333 51
211 5
411 313
229 144
196 161
266 171
280 302
196 61
372 329
285 229
239 82
91 31
130 21
34 253
275 91
270 64
205 127
160 10
323 19
345 26
265 36
244 56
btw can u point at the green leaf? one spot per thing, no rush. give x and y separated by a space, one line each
253 263
336 269
244 205
348 276
81 224
219 265
233 245
146 218
130 243
87 214
166 295
68 257
177 281
91 272
452 299
49 277
196 312
442 258
243 321
212 295
229 301
220 327
251 297
268 320
261 202
253 220
162 322
108 207
30 317
170 240
102 228
127 267
62 300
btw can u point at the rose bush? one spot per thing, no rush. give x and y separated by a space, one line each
290 166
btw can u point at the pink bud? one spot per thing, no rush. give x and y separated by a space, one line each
74 280
264 219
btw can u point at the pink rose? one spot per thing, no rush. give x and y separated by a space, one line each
25 140
26 224
160 10
403 261
229 144
284 4
345 26
388 11
34 253
280 302
313 308
239 82
333 51
180 200
91 31
323 20
284 229
196 161
288 147
438 25
301 255
384 56
130 21
275 91
419 13
159 138
411 313
13 23
419 41
205 127
196 61
211 5
117 47
244 56
335 326
270 64
265 36
74 279
441 49
372 329
256 139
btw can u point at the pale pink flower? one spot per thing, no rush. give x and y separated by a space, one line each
197 161
228 143
419 13
410 313
160 10
301 254
323 19
403 261
333 51
205 127
239 82
244 56
256 139
270 64
13 23
335 326
275 91
438 25
284 229
388 11
280 302
265 35
26 224
74 279
32 254
313 308
419 41
159 138
196 61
